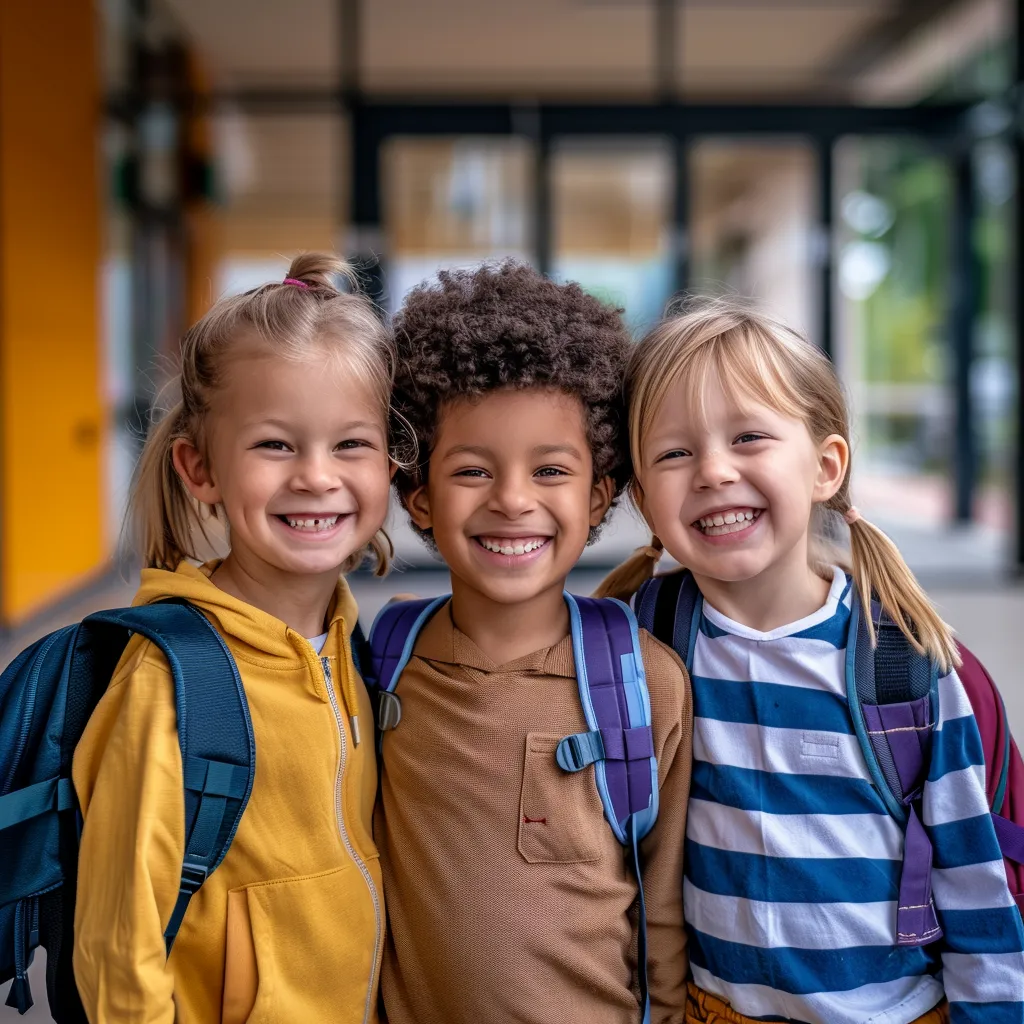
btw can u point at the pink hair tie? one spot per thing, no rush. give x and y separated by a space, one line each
851 515
295 281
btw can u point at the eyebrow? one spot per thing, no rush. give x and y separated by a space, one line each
541 449
283 425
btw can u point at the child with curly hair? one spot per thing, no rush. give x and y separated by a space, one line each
509 896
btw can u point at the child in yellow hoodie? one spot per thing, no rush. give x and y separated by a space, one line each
281 432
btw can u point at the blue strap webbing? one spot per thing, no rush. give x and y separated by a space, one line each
54 794
218 750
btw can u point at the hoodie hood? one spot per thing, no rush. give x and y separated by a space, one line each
265 635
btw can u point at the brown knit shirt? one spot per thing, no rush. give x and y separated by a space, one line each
509 899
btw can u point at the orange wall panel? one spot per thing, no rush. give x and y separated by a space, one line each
52 415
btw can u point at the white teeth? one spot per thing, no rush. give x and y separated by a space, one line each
508 548
315 525
727 522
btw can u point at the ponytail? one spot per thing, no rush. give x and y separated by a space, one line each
625 580
879 571
162 511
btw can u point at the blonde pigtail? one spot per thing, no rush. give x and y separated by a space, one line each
383 549
162 511
626 579
879 570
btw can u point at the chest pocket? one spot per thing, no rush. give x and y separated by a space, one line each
561 818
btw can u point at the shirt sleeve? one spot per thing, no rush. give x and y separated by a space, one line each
661 852
982 958
128 777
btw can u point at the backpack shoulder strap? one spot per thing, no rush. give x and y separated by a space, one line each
218 751
392 640
617 706
892 693
393 637
669 608
620 744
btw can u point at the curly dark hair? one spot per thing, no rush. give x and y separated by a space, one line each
507 326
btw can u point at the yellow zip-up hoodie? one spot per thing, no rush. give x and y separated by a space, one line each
290 926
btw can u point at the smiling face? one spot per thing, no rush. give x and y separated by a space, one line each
730 488
296 456
511 497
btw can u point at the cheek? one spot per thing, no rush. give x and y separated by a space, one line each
663 499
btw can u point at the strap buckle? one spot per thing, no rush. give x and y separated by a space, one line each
389 710
575 752
193 875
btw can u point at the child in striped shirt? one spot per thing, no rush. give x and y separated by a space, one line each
740 442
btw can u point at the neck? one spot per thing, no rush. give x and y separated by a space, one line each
785 592
300 602
505 632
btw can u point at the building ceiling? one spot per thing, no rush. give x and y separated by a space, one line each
748 49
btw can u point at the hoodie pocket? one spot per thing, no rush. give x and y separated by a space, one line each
302 949
560 812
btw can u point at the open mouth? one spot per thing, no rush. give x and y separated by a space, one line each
512 546
313 524
732 520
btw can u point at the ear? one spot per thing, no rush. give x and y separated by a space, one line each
833 462
601 495
192 467
417 504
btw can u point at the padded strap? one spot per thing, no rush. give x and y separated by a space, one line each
615 701
214 728
669 607
393 637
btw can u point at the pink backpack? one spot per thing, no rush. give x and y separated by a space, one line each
1004 769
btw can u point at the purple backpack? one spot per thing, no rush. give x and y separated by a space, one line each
893 699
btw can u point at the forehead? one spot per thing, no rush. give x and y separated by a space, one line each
257 383
512 419
723 384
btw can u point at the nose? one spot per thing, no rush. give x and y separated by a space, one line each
512 496
316 473
715 469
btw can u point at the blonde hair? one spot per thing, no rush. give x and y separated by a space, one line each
303 313
758 357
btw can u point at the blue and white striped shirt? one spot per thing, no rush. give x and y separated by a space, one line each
793 863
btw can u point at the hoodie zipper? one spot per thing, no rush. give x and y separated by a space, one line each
343 832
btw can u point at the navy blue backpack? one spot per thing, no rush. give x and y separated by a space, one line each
892 692
619 742
46 696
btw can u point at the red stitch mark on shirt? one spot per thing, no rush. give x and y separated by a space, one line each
527 820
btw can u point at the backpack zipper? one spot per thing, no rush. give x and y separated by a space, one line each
343 832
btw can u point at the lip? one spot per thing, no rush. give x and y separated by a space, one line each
500 561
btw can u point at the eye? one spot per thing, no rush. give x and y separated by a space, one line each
551 471
353 443
472 473
675 453
274 446
750 437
